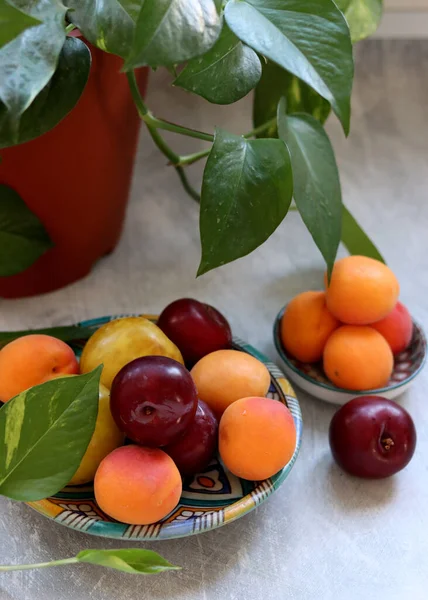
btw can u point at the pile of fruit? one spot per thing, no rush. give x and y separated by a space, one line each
170 395
355 327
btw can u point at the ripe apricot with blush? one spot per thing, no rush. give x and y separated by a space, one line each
257 437
396 328
31 360
225 376
306 326
137 485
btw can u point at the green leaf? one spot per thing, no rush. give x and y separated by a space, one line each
28 62
246 193
309 39
225 74
23 239
276 83
317 191
132 7
139 562
13 22
363 16
355 239
54 102
66 334
109 24
44 433
173 31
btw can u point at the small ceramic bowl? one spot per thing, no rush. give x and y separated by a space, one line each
311 377
209 500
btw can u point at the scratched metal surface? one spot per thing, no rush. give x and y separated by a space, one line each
323 535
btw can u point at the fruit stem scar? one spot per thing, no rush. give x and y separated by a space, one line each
148 410
387 443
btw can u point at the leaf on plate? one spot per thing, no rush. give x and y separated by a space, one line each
54 102
137 561
317 191
44 433
23 238
276 83
66 333
109 24
355 239
28 62
13 22
309 39
363 16
225 74
173 31
246 193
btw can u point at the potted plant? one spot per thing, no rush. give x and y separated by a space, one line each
68 138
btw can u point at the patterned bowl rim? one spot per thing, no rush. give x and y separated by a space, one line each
330 386
231 512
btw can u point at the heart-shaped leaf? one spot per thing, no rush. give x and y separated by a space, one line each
54 102
317 191
13 22
139 562
109 24
355 239
276 83
44 433
363 16
309 39
173 31
28 62
246 193
225 74
66 333
23 239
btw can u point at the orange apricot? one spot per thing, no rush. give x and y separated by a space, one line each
225 376
306 326
31 360
257 437
137 485
396 328
358 358
361 291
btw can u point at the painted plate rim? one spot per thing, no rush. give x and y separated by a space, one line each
192 526
331 387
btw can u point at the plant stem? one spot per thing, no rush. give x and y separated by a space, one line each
54 563
189 159
144 114
70 28
186 184
168 126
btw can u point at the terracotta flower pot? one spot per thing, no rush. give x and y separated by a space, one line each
76 179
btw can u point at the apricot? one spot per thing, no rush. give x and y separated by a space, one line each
362 290
106 437
118 342
358 358
306 326
137 485
225 376
257 437
31 360
396 328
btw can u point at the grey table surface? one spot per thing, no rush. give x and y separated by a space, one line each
323 534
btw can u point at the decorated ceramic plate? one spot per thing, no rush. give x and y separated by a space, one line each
311 377
209 500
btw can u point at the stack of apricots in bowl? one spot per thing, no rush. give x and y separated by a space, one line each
352 336
172 395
